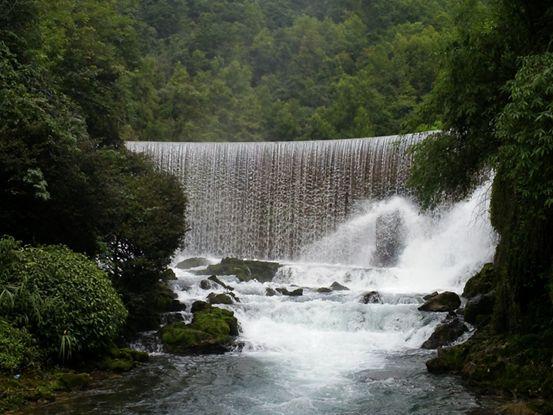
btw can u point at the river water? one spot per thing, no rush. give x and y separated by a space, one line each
322 353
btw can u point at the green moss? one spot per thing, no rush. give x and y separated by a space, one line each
212 330
244 270
514 364
481 283
72 381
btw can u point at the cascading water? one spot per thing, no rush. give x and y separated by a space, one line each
332 212
268 200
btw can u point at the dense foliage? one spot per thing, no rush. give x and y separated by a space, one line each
62 298
65 177
282 70
494 98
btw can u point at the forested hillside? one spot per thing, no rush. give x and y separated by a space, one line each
193 70
281 70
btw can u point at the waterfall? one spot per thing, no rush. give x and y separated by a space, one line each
270 199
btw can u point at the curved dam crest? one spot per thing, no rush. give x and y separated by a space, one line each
271 199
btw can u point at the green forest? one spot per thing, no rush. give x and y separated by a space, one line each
88 229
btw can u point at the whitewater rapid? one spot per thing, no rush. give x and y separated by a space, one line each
323 339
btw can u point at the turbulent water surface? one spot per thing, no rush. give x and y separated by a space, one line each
331 212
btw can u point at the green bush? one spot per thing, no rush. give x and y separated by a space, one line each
16 347
64 299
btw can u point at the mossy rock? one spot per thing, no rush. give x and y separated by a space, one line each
445 333
122 359
244 270
212 331
294 293
216 280
324 290
192 263
443 302
481 283
479 309
214 298
336 286
73 381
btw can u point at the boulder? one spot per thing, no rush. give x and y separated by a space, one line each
481 283
389 230
169 318
205 285
269 292
446 301
216 280
192 263
324 290
479 308
244 270
212 330
176 305
429 296
445 333
336 286
294 293
372 297
199 306
219 299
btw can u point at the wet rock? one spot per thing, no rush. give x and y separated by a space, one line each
481 283
294 293
176 305
372 297
245 270
219 299
429 296
122 360
336 286
269 292
389 230
216 280
445 333
205 285
72 381
324 290
479 308
192 263
199 306
446 301
212 330
169 318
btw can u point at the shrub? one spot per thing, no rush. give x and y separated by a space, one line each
67 302
16 347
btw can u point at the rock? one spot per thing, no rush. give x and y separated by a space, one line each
446 301
481 283
199 306
324 290
216 280
205 285
192 263
212 330
389 230
445 333
429 296
176 305
295 293
219 299
479 308
336 286
372 297
72 381
449 359
169 318
245 270
269 292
